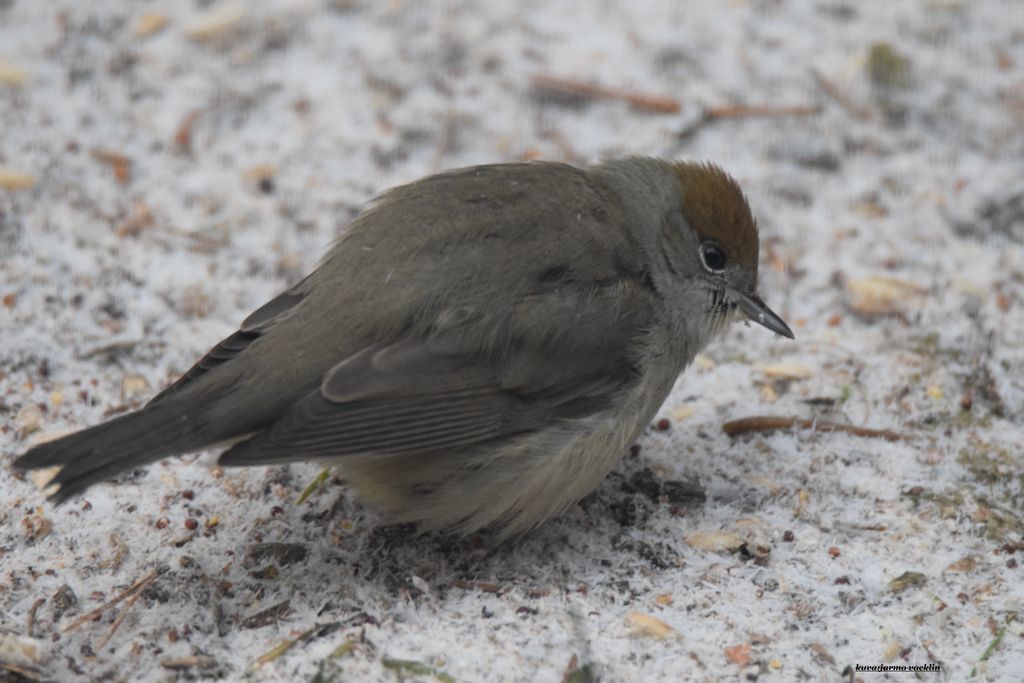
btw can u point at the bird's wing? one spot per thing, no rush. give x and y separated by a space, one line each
471 379
251 329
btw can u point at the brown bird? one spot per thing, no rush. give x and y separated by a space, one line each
477 350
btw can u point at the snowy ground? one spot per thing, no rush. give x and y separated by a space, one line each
165 168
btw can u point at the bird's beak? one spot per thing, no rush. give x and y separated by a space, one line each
757 311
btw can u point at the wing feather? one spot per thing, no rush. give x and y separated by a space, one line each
251 329
422 395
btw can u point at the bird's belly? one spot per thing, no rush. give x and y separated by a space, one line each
512 486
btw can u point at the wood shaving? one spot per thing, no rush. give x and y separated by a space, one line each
715 541
216 23
790 371
13 179
150 23
882 295
965 564
28 419
646 625
12 75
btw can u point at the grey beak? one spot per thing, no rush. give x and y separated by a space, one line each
757 311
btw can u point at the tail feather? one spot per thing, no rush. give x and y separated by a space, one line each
124 443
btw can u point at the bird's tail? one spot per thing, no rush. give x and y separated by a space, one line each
126 442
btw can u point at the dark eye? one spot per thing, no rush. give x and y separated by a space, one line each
713 257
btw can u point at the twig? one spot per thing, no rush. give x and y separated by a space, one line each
743 111
124 612
478 585
27 674
840 98
992 645
193 662
318 631
399 666
32 616
769 423
89 616
740 111
653 103
276 651
268 616
203 242
114 347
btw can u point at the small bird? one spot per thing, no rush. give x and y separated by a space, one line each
477 350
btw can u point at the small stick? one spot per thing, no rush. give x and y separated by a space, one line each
276 651
992 645
268 616
27 674
654 103
739 111
124 613
205 243
193 662
769 423
840 98
478 585
144 581
32 616
318 631
120 346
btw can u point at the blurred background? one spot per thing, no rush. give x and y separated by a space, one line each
167 167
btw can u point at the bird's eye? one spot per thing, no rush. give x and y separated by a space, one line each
713 256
